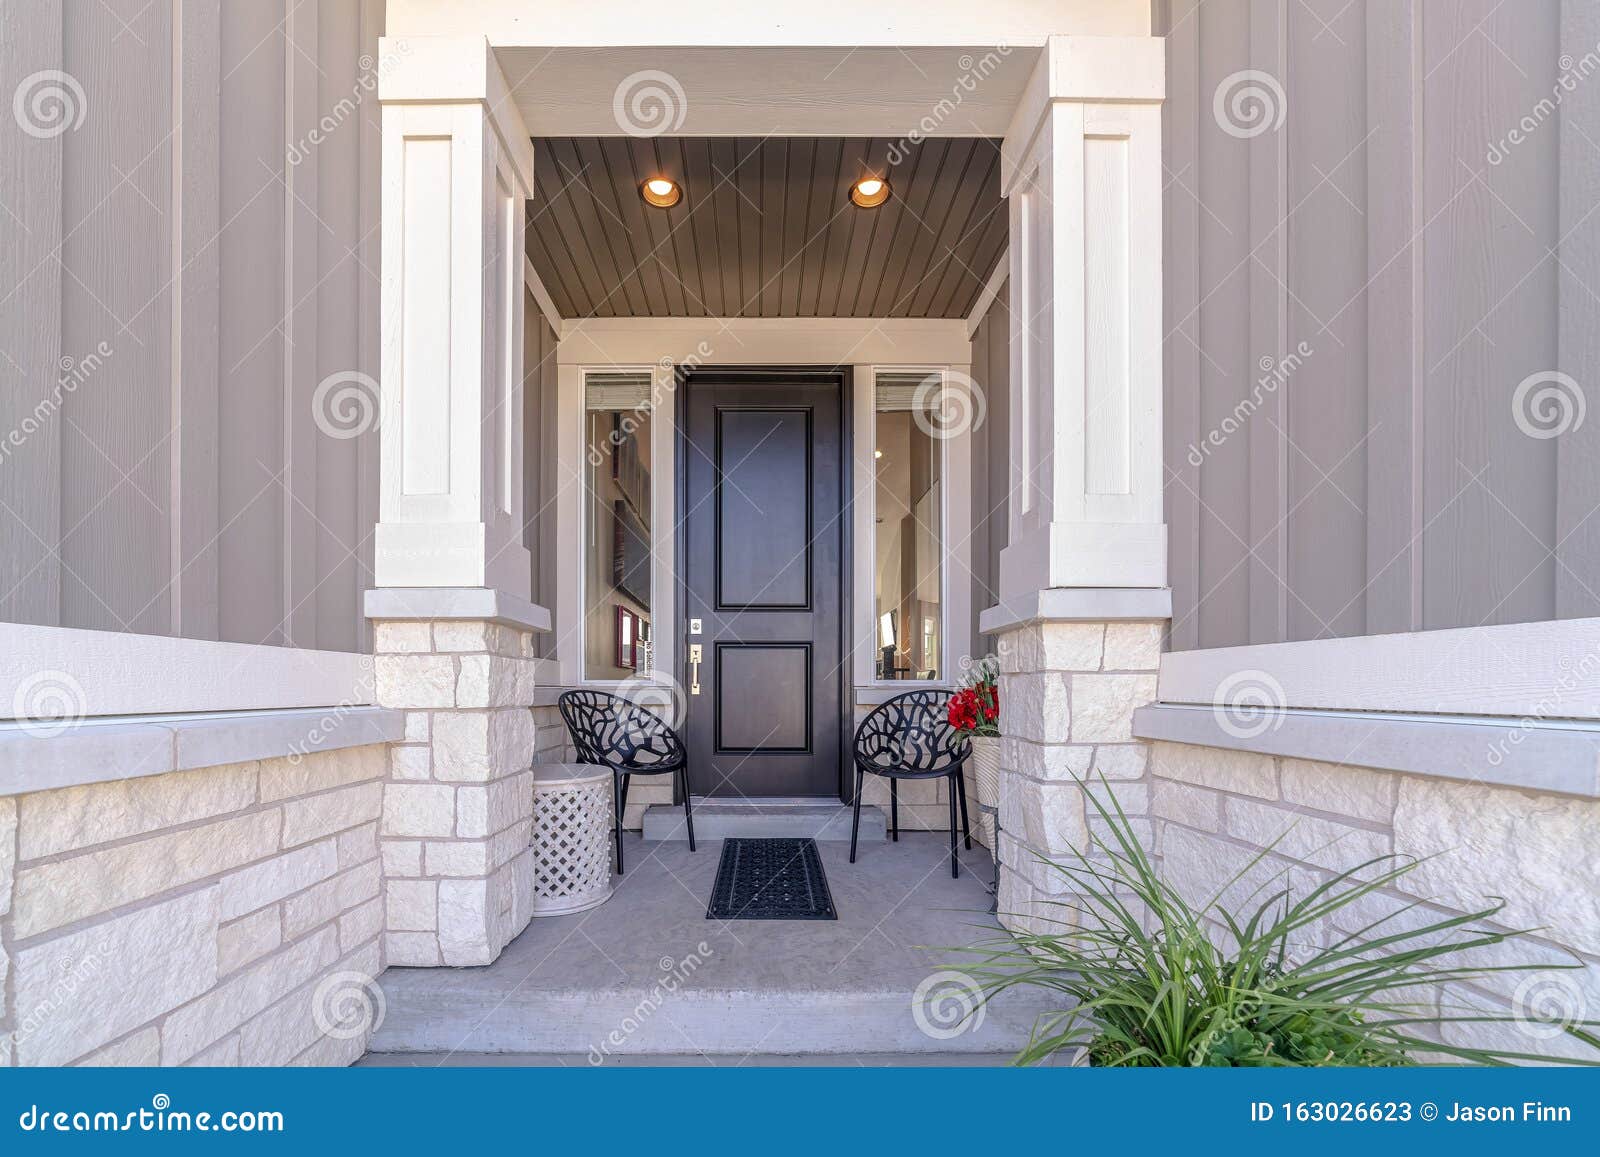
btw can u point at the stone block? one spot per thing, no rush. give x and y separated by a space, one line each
1310 839
1539 852
1133 646
461 636
1183 803
456 858
59 892
401 637
411 949
8 853
1121 761
411 761
321 815
419 809
1103 706
417 727
141 1049
1062 762
401 857
1358 792
326 901
248 939
282 1032
361 925
239 998
1241 772
464 922
266 883
69 818
1053 647
77 992
358 845
415 681
1037 706
320 770
412 905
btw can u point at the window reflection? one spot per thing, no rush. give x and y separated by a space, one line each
618 642
908 571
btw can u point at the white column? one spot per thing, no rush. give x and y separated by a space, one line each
1081 168
457 170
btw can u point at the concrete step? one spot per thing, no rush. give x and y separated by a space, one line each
718 819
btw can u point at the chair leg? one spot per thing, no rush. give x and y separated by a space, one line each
966 828
688 815
622 805
955 864
855 822
894 809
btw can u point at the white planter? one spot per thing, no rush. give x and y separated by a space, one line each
986 769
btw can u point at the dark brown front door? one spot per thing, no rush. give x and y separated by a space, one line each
761 554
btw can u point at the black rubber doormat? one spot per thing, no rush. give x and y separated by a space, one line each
770 879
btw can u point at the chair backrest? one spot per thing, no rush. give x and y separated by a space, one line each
611 730
911 732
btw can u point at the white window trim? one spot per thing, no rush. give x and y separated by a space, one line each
955 602
1537 670
115 673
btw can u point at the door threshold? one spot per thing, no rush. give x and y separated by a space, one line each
717 818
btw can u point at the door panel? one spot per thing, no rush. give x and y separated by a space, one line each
762 555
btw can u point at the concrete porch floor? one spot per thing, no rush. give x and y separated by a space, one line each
646 978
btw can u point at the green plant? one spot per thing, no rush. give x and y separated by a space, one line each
1153 980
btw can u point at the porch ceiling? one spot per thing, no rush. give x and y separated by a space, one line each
765 227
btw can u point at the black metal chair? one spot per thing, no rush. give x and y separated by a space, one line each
613 732
910 737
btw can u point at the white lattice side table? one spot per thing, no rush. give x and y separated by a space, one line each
571 837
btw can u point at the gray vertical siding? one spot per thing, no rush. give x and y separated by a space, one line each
183 266
991 461
540 480
1393 279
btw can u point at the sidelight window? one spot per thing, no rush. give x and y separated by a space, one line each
908 498
617 598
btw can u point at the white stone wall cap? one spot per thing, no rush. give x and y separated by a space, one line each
484 604
1079 605
1556 756
34 758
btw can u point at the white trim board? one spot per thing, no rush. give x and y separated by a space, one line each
1547 670
991 290
1546 757
541 297
94 673
602 343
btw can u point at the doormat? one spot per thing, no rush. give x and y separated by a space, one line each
770 879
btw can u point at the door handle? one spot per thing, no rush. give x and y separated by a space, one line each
695 658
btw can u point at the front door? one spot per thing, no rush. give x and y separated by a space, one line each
762 553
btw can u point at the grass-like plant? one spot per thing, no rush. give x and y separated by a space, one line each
1149 979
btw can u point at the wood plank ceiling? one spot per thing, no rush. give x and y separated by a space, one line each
765 227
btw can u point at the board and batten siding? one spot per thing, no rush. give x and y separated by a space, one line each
191 248
991 458
1362 268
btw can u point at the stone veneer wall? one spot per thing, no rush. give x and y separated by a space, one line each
217 917
1068 691
458 805
1217 808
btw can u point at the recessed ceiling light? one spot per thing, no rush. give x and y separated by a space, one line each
662 192
877 453
870 192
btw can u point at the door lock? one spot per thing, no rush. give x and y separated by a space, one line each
695 653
